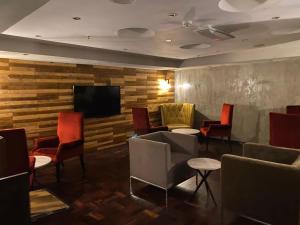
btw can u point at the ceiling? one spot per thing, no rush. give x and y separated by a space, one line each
153 31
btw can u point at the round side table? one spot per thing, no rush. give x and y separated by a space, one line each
41 161
206 165
188 131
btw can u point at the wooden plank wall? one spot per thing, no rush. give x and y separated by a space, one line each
32 93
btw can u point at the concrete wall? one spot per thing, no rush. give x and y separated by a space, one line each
254 88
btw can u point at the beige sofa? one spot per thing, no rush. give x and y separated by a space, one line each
262 185
177 115
160 158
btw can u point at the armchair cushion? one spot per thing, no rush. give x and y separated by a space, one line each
46 142
51 152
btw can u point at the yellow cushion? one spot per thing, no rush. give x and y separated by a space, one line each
177 113
177 126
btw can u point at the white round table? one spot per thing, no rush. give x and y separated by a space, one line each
207 165
41 161
189 131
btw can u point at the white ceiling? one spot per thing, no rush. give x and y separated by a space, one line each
102 19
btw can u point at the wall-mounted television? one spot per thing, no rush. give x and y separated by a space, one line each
97 101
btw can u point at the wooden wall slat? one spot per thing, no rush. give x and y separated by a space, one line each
32 93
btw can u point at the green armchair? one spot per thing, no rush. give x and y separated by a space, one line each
177 115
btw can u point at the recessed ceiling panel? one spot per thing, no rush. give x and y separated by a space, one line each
144 26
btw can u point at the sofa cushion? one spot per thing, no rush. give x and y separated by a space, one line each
297 162
177 158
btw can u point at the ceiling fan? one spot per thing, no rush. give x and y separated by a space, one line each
213 32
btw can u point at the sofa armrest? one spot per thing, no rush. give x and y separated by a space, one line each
46 142
183 143
259 189
149 161
206 123
270 153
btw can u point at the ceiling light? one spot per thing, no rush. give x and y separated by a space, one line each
168 40
25 53
135 32
172 14
123 1
275 17
76 18
241 6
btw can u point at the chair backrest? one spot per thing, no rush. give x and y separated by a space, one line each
15 152
140 118
177 113
70 126
293 109
285 130
227 114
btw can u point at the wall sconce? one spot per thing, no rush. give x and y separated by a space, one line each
164 85
185 86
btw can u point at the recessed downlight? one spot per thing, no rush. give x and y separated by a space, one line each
76 18
275 17
172 14
123 1
25 53
168 40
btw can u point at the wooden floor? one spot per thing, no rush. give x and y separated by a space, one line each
102 196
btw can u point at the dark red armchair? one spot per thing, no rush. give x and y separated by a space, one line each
14 154
67 144
141 123
221 128
293 109
285 130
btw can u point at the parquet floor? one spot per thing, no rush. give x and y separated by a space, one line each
102 196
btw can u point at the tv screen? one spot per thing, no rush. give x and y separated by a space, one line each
97 101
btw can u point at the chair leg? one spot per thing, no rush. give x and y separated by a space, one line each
229 143
57 165
206 141
82 163
166 198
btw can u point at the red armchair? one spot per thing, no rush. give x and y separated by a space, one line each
14 154
67 144
221 128
285 130
141 122
293 109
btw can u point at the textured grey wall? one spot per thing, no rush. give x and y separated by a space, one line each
254 88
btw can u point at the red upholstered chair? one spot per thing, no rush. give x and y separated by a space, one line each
141 123
14 154
285 130
67 144
221 128
293 109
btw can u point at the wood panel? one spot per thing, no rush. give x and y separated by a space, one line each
32 93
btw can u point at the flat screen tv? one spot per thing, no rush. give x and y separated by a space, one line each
97 101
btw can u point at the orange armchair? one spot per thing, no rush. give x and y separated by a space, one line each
14 154
67 144
141 123
221 128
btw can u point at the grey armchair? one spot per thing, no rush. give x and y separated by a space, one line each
159 159
263 185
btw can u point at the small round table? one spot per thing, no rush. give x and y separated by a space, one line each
189 131
41 161
207 165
